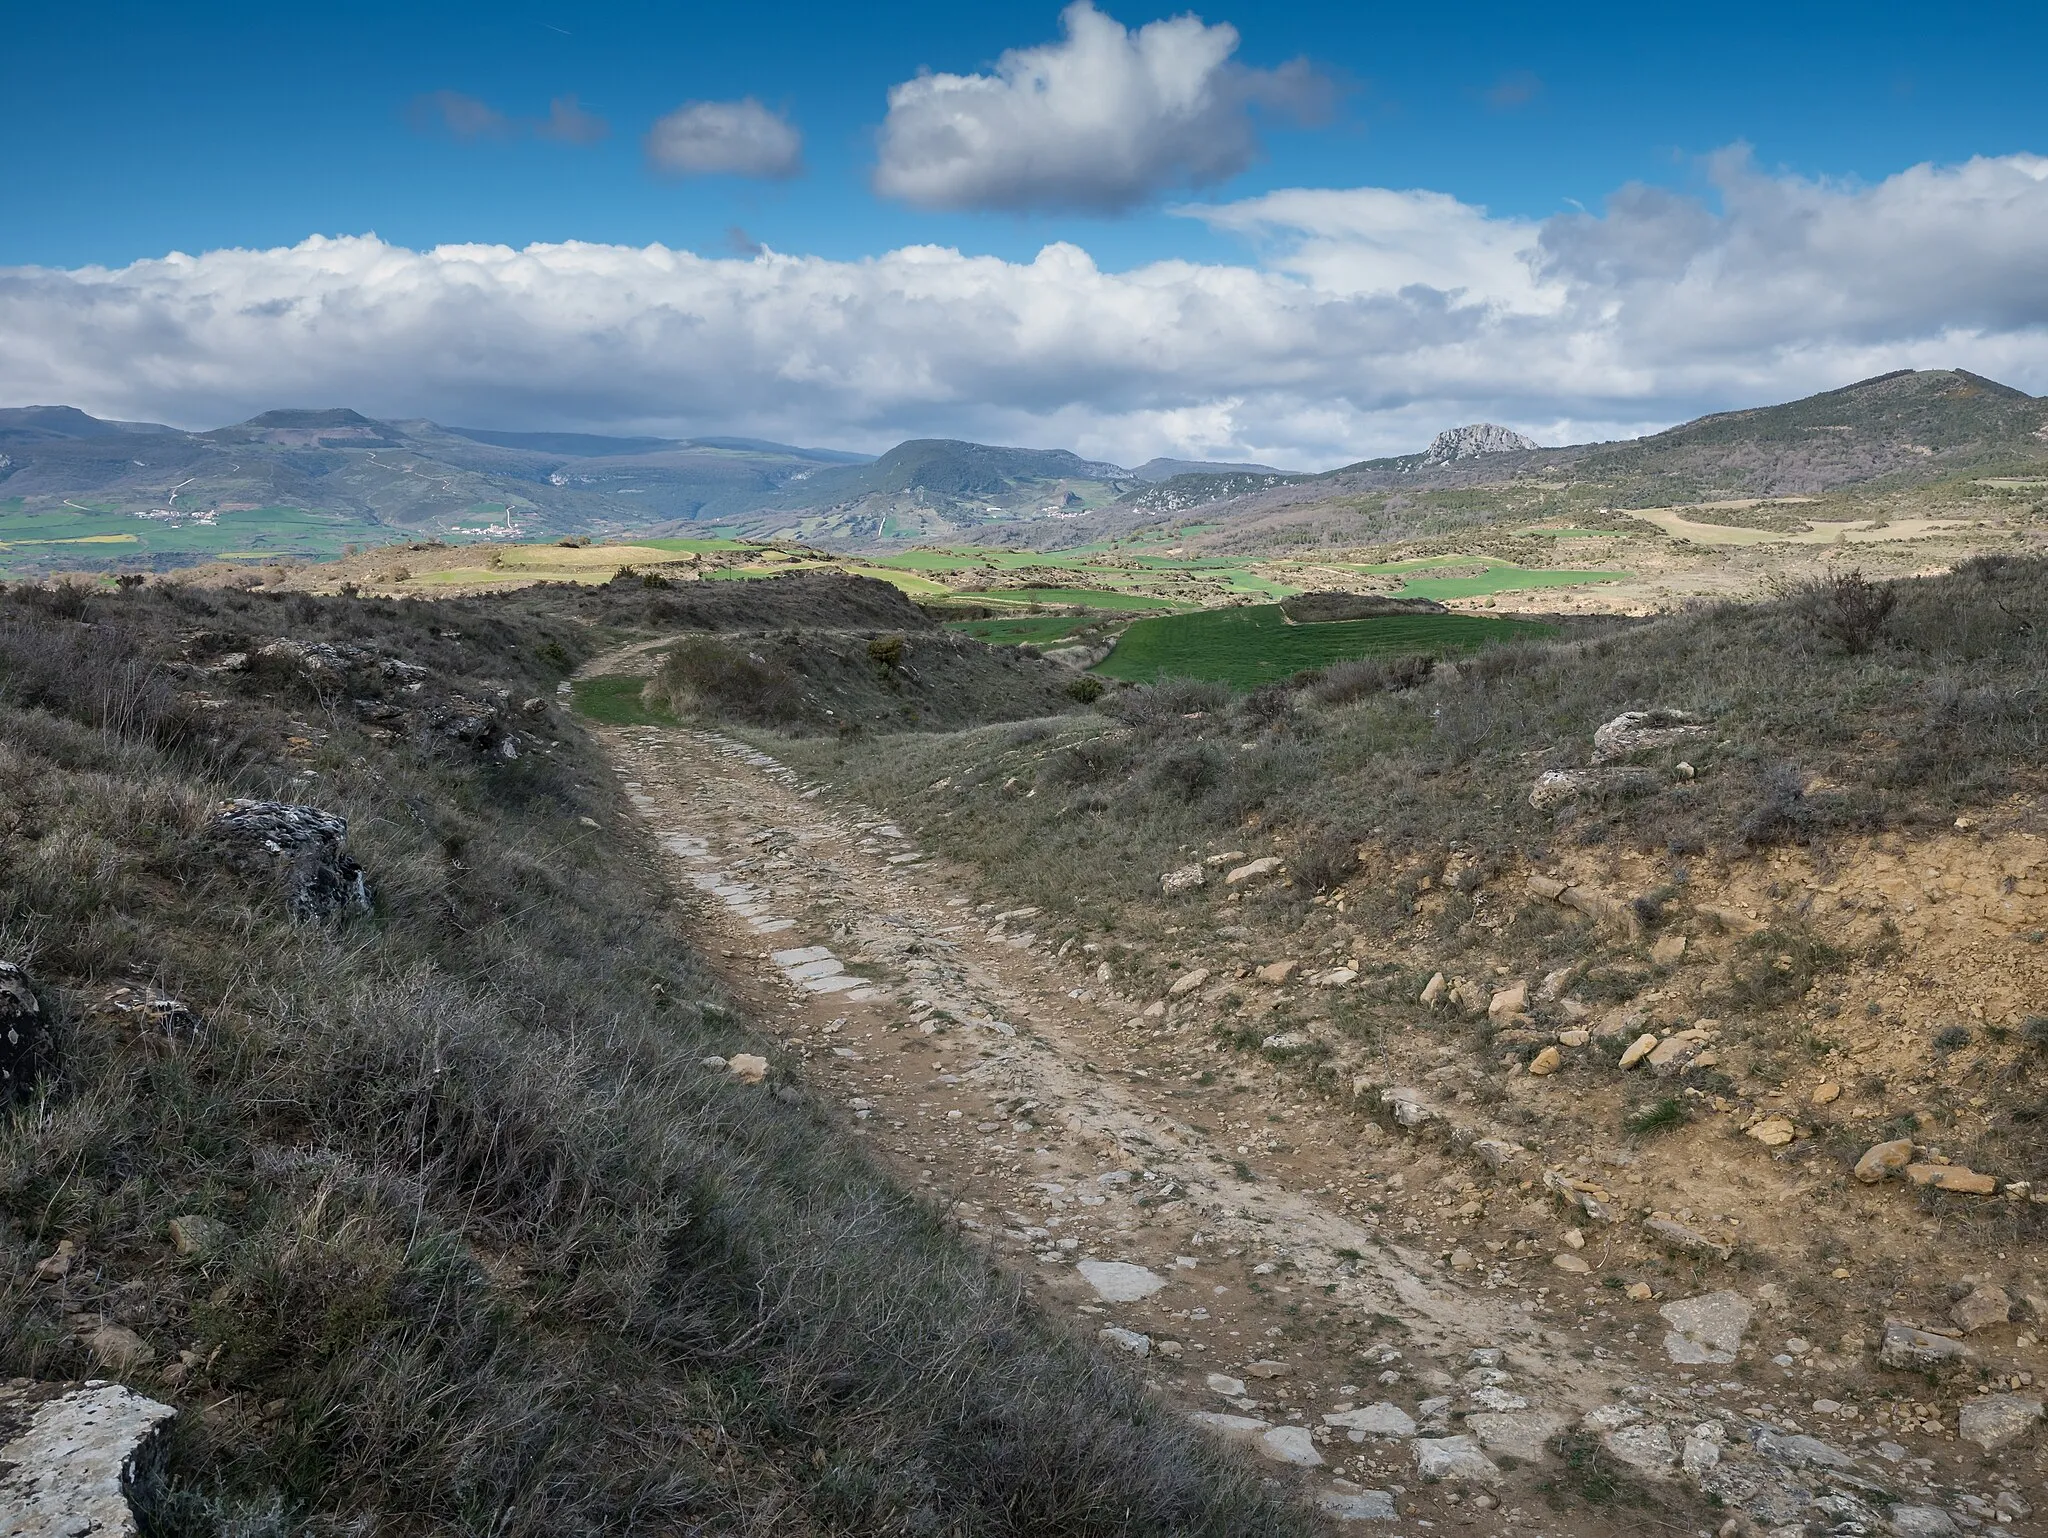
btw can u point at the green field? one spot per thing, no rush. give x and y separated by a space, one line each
1245 647
68 537
1480 576
1032 629
1071 597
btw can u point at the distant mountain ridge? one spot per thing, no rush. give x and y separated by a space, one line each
414 478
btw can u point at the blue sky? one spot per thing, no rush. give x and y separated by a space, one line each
1582 222
195 127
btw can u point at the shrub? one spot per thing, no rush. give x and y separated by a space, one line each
1085 689
1323 860
1781 814
1187 770
1851 611
887 650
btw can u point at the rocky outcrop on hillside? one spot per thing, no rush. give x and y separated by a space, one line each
1470 442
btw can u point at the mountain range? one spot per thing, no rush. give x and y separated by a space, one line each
308 480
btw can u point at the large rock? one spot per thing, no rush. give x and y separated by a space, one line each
1187 879
66 1452
1358 1505
1952 1177
1706 1329
1922 1522
1453 1458
1523 1435
1289 1444
1375 1420
1882 1159
21 1033
1981 1308
1996 1420
305 846
1253 870
1688 1240
1645 1447
1559 787
1118 1281
1642 731
1905 1346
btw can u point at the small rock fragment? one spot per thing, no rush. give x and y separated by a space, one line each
1224 1384
1639 1049
193 1235
1774 1131
1571 1263
747 1068
118 1348
1668 949
1545 1063
56 1266
1882 1159
1508 1002
1188 982
1275 973
1433 993
1129 1340
1176 882
1826 1094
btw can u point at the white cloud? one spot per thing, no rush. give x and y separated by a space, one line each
1369 320
1102 121
725 138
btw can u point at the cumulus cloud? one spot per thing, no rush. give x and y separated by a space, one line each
1367 320
725 138
1101 121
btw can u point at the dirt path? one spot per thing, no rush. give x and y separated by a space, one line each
1142 1181
1407 1329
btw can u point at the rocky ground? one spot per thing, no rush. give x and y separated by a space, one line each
1392 1290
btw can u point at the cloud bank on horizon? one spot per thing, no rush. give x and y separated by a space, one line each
1370 319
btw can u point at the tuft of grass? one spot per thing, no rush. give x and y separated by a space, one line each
1666 1115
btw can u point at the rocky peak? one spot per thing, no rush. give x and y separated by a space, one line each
1469 442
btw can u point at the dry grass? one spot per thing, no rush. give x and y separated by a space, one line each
502 1256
